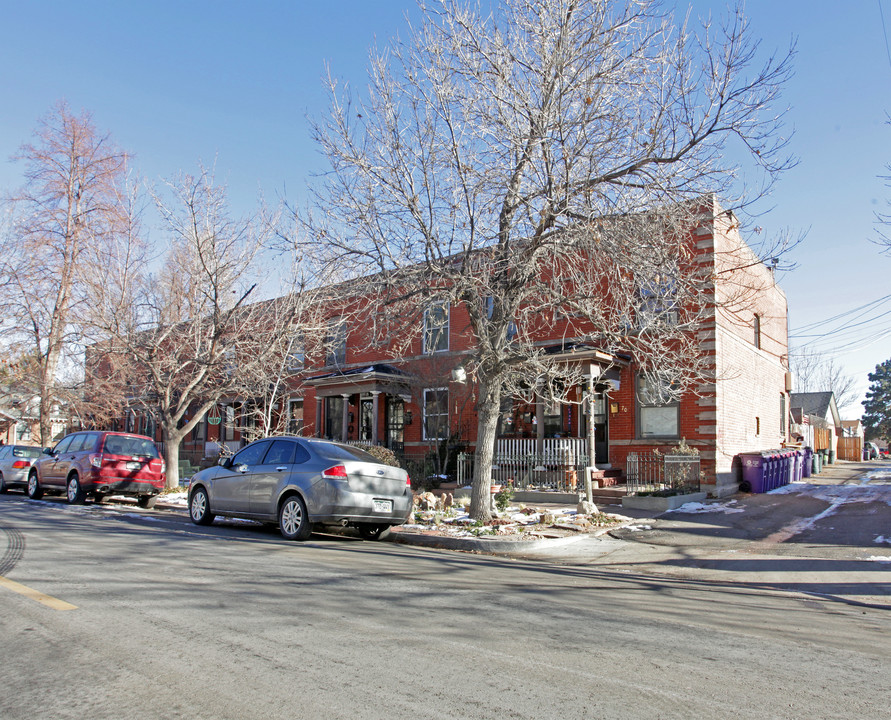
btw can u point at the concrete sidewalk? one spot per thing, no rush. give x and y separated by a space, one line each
779 541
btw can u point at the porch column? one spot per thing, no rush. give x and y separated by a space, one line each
318 430
375 412
344 429
539 426
591 444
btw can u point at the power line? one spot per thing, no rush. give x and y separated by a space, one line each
884 32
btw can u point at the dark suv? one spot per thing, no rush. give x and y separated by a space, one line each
99 463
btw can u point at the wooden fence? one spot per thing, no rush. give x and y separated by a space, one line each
850 448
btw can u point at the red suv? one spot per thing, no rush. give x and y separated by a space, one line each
99 463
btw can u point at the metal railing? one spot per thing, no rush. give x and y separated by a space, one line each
655 472
560 467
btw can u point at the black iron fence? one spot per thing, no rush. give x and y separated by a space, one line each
654 472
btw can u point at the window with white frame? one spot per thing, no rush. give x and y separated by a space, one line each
658 301
336 342
436 414
658 411
436 328
295 416
296 353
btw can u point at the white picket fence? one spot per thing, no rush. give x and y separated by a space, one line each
560 466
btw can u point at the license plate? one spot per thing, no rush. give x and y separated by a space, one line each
383 506
134 466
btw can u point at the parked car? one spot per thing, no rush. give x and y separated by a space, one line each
302 482
870 451
99 463
15 461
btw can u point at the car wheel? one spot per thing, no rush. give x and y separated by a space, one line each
76 494
35 492
374 532
293 520
3 487
199 508
147 501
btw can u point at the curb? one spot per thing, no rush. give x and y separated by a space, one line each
489 546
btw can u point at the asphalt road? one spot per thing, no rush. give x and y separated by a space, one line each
142 615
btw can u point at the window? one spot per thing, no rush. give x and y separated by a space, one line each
252 454
658 302
553 419
296 353
281 452
658 412
436 414
757 426
334 408
335 342
227 429
756 323
490 310
295 417
783 415
436 328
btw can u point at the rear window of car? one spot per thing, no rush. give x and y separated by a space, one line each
123 445
336 451
27 452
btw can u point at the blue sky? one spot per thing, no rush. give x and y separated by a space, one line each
231 83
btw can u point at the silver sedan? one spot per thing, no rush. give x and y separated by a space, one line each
15 462
302 482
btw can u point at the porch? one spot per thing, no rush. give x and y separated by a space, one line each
558 466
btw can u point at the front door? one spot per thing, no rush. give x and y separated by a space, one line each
395 424
601 429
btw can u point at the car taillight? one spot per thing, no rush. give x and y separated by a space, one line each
408 481
337 472
96 461
20 464
163 466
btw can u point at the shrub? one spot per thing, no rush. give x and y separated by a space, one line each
382 454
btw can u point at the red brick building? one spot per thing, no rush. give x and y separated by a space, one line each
420 400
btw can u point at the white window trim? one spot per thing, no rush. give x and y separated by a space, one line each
438 415
444 328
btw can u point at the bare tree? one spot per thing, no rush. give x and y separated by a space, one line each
545 166
178 341
817 372
68 209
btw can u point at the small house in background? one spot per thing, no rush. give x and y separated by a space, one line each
816 420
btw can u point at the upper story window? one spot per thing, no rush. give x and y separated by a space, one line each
490 311
658 411
436 328
296 353
756 324
336 342
658 301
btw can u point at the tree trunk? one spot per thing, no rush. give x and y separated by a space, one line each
487 426
172 440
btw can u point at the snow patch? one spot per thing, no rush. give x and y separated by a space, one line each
698 507
879 558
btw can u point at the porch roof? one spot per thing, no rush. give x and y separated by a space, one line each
379 377
610 363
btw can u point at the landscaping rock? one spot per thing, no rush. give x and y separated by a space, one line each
586 508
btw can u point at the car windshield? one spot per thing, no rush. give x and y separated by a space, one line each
123 445
27 452
336 451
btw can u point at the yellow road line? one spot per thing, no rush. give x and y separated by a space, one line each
35 595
